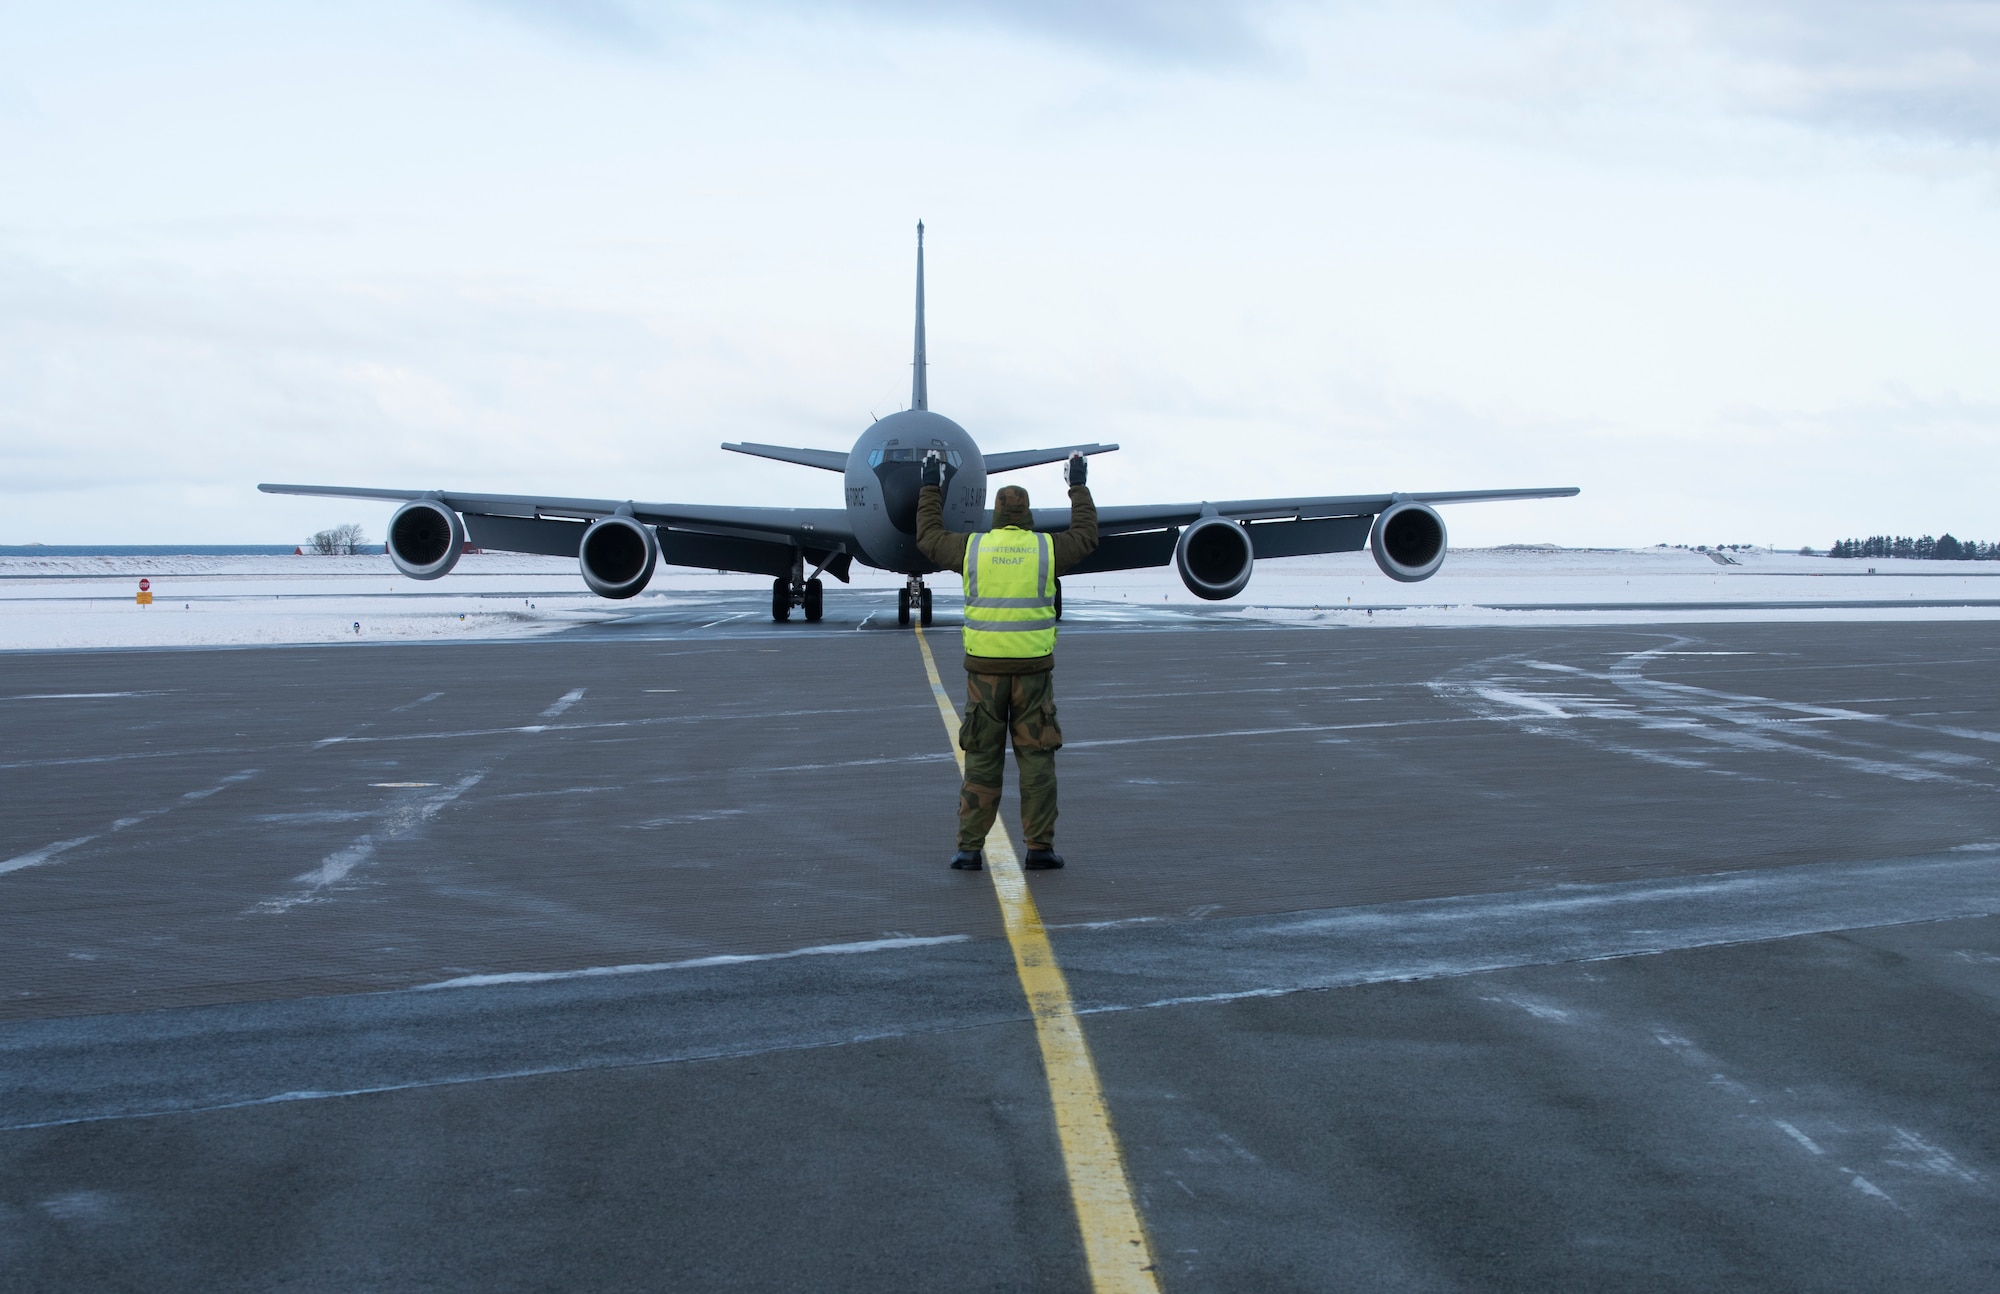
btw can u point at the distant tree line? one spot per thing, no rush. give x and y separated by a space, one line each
340 541
1942 549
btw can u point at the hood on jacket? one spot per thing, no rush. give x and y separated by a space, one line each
1010 508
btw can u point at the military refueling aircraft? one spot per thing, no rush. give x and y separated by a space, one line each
618 544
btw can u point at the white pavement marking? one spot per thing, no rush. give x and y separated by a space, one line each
1920 1155
719 959
586 727
76 696
1523 701
1867 1187
681 819
854 763
428 697
1742 722
1798 1136
119 759
36 857
1262 732
1926 1158
1427 939
335 866
1540 1010
563 702
397 822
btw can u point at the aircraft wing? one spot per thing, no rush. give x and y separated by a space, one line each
758 540
828 460
1019 458
1152 516
1143 535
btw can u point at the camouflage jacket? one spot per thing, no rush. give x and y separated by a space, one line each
947 549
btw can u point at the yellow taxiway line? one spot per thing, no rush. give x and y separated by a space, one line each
1114 1235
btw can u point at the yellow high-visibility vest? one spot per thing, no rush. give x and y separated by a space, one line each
1010 594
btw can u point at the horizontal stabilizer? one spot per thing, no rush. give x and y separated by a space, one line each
1036 457
829 460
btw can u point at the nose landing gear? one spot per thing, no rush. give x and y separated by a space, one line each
914 594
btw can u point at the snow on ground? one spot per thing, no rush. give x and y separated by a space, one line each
70 602
74 602
1548 586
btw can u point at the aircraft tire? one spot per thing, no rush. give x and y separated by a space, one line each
902 606
781 599
815 600
924 612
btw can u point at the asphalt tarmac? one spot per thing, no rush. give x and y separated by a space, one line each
1410 959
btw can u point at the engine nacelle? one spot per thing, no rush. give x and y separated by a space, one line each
1408 541
1214 558
425 539
617 556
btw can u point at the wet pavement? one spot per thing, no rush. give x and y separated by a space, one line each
1412 959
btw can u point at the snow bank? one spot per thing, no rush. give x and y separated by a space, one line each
75 602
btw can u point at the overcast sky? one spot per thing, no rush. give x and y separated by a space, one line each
1734 269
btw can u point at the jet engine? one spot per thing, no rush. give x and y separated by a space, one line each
425 539
1408 541
618 555
1214 558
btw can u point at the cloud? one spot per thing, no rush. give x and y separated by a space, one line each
1923 69
1914 67
1186 32
1190 31
608 23
1927 69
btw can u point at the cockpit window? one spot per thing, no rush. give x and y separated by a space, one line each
908 454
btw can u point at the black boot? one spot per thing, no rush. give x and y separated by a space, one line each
1041 860
967 860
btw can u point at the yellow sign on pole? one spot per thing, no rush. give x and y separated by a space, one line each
145 598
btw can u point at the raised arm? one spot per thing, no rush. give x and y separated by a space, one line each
1080 540
933 540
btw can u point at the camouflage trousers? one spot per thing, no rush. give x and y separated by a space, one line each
996 706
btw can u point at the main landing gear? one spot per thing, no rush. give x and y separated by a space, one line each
795 590
914 594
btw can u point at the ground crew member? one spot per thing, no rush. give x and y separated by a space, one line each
1010 642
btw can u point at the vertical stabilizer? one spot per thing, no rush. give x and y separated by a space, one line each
920 396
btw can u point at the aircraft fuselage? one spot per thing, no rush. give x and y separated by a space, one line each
883 479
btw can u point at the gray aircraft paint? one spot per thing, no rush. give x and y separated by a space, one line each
876 525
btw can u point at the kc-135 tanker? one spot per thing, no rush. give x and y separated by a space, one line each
618 543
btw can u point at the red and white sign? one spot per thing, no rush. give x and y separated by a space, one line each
144 585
